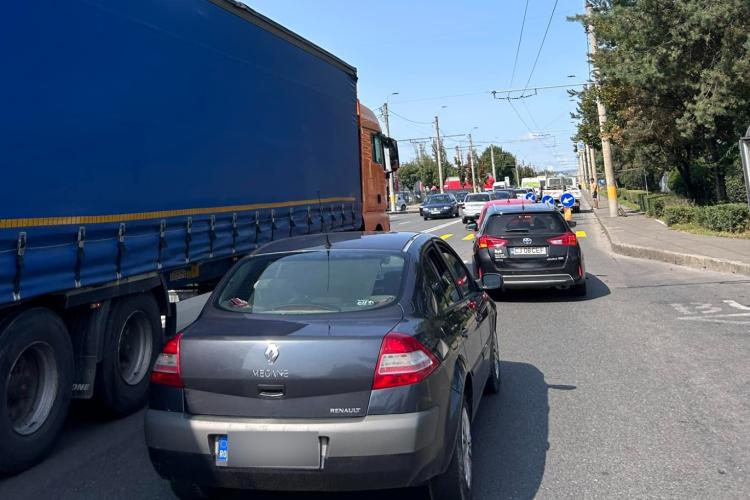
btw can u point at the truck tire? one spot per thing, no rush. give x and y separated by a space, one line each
132 340
36 367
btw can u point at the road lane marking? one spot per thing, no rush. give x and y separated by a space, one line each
441 226
581 234
445 236
468 237
736 305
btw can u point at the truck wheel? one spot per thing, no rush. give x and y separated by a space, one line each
36 366
132 339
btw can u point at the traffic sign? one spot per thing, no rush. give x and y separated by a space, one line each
567 200
548 200
531 196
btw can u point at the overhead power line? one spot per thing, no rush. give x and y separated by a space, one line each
541 46
518 46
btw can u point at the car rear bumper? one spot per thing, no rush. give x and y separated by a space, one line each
372 452
537 280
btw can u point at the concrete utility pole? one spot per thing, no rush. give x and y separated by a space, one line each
492 158
471 163
592 163
609 169
391 194
439 155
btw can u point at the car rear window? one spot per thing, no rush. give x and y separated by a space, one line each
316 282
439 199
477 197
502 195
525 223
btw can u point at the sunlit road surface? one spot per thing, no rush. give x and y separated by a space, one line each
640 390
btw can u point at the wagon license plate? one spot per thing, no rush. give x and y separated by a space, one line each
528 251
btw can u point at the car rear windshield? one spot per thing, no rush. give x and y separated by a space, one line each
525 223
478 197
439 199
503 195
315 282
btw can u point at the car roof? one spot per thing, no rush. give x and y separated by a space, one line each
496 209
339 241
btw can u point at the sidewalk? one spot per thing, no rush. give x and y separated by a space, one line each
639 236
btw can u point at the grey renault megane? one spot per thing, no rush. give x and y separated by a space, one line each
340 362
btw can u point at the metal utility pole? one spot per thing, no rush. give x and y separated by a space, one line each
439 155
745 156
471 163
391 194
609 169
492 158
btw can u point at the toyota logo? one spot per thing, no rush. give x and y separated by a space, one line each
272 353
527 241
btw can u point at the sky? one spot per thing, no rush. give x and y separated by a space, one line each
432 53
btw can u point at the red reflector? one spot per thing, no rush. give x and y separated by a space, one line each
403 360
565 240
490 242
167 367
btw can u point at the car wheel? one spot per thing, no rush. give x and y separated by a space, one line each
464 221
579 290
426 218
455 483
495 381
185 490
132 341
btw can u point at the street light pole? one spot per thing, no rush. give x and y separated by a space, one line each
391 183
609 170
492 159
745 154
439 156
471 163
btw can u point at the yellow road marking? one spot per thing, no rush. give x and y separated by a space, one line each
468 237
581 234
445 236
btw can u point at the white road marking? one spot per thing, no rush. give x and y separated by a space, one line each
441 226
661 222
736 305
712 320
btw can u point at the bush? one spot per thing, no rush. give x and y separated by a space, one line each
730 218
736 192
680 214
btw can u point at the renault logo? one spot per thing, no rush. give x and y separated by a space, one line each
527 241
272 353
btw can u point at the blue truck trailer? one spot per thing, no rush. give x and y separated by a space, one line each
146 146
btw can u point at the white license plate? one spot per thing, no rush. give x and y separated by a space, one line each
435 211
272 449
528 250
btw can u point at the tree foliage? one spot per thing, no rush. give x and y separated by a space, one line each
674 78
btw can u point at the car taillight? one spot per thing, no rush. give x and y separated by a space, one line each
565 240
167 367
403 360
491 242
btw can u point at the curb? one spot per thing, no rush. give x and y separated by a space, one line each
680 259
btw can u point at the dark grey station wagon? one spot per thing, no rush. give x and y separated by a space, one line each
340 362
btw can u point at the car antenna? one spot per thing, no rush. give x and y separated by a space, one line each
323 223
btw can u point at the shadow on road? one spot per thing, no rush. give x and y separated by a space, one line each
511 435
596 289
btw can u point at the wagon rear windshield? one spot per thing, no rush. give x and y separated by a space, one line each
316 282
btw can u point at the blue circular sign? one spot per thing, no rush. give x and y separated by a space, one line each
567 200
548 200
531 196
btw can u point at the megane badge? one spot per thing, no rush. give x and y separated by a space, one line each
272 353
527 241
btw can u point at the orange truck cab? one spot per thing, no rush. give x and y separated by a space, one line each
374 146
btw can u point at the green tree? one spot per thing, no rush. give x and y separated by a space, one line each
505 163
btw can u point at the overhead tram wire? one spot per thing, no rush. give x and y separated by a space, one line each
541 46
518 46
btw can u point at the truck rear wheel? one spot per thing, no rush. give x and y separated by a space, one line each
36 364
132 339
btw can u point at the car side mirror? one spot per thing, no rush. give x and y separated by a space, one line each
471 226
572 223
492 281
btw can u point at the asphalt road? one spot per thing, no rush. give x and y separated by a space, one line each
639 390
